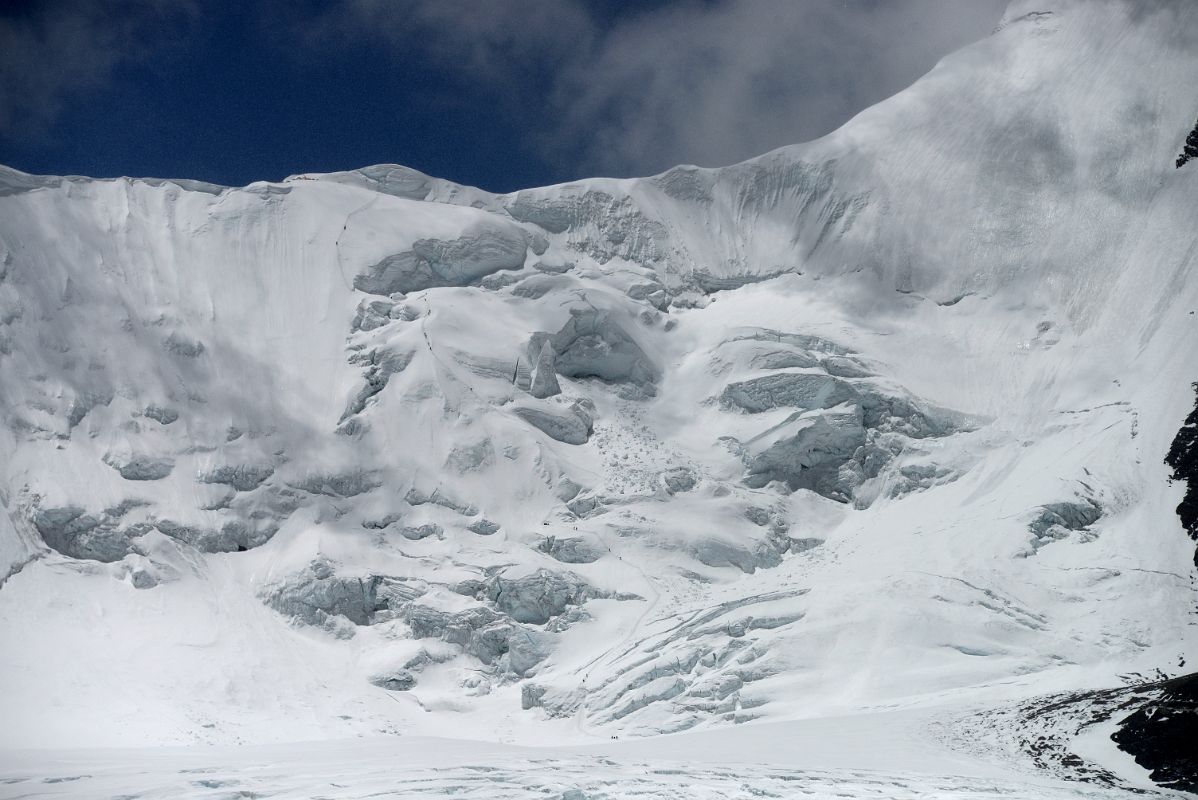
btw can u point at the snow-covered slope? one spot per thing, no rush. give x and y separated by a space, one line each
876 421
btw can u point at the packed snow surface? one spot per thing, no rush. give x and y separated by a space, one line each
867 427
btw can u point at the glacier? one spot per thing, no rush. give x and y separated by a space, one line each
844 462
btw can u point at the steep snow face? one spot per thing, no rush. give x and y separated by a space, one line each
875 420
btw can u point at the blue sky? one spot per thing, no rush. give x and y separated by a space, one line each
500 94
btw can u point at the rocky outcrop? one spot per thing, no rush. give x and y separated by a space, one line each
1183 461
1160 733
1189 150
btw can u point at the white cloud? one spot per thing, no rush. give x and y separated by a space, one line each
700 82
717 83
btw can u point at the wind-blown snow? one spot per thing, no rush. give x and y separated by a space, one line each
872 422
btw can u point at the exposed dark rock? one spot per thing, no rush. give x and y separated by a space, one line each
1157 724
1183 459
1162 733
1190 149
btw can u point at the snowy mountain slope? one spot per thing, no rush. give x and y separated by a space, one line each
875 421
